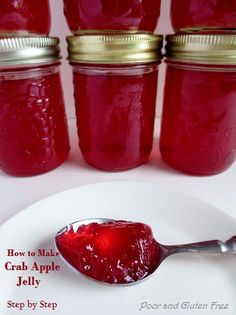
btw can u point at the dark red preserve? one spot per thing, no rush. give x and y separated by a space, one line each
203 14
112 252
198 132
21 17
115 95
33 127
107 15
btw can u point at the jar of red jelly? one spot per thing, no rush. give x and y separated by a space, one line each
195 15
104 15
115 84
198 132
22 17
33 127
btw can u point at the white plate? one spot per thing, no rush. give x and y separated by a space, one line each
182 283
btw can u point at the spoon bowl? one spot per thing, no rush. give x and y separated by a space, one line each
164 251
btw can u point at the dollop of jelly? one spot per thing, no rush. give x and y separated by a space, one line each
113 252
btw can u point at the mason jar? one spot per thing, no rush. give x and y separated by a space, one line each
33 127
24 17
198 132
106 15
115 89
200 15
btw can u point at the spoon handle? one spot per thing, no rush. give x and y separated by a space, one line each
214 246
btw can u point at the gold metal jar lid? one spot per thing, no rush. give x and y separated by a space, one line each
26 51
115 48
199 48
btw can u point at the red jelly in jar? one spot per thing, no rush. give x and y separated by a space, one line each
115 84
203 14
24 16
112 252
198 133
105 15
33 127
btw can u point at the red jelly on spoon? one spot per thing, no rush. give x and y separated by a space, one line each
111 252
122 252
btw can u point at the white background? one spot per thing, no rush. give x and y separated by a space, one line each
60 29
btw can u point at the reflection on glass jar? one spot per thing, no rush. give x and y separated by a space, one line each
130 15
198 133
24 16
115 103
203 14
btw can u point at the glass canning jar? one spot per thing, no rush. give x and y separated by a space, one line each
115 87
198 132
22 17
105 15
33 127
194 15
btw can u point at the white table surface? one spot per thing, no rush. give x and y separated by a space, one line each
18 193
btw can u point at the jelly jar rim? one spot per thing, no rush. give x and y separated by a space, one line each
115 48
202 48
26 51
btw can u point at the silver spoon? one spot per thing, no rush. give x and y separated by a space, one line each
207 247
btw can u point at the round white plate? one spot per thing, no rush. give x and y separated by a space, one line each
183 284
